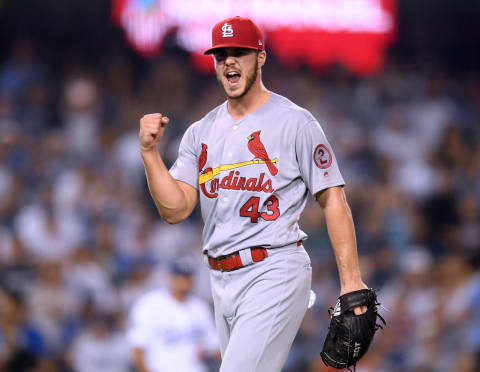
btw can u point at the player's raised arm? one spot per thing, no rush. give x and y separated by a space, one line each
174 199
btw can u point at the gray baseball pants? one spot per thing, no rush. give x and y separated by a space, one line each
259 309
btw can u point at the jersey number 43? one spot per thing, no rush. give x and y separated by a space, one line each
250 209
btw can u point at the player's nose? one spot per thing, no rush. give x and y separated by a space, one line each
230 60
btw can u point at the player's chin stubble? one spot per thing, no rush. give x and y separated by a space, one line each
250 79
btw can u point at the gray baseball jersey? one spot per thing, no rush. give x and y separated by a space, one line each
254 174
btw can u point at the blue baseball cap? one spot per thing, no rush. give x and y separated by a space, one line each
182 266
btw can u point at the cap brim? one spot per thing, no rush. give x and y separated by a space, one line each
220 46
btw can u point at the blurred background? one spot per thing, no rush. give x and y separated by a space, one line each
80 238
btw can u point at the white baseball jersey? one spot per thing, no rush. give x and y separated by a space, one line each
254 174
172 334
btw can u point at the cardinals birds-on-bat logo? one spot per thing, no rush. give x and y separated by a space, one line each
202 159
257 148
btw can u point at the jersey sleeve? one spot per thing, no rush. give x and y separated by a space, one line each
185 168
316 159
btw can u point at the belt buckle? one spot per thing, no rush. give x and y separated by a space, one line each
219 264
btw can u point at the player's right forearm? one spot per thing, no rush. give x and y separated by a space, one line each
170 199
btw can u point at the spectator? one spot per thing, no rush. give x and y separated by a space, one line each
171 330
100 347
21 343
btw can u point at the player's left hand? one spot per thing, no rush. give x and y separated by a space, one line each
348 332
358 310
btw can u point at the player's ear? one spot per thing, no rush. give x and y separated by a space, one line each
261 58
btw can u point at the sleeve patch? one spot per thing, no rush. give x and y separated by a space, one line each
322 156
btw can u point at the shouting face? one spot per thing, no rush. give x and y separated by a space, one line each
237 70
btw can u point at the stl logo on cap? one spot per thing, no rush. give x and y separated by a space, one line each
227 30
236 32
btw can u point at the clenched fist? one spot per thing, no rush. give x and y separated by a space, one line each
152 127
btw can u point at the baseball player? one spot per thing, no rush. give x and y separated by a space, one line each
251 162
170 330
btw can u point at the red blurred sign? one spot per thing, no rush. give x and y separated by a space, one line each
354 33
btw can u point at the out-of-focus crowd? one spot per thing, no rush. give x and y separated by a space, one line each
80 238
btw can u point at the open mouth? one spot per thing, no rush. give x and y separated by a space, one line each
233 77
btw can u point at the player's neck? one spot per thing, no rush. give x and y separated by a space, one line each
256 97
179 296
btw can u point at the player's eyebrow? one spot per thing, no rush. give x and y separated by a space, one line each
222 54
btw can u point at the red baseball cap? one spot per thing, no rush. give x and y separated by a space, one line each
236 32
